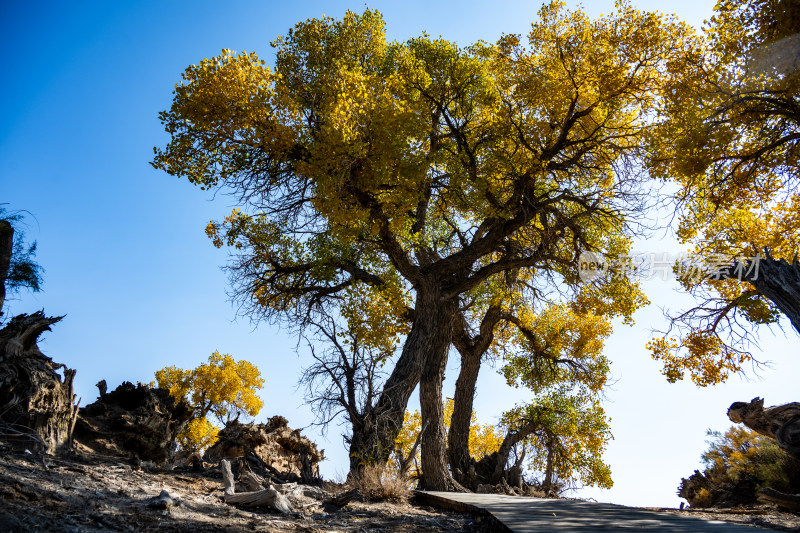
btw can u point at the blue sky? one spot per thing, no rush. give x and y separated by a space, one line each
129 265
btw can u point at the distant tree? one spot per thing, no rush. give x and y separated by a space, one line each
17 266
564 435
222 388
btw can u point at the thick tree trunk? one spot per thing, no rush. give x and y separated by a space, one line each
427 345
461 463
34 400
547 483
6 248
471 350
437 317
775 279
372 441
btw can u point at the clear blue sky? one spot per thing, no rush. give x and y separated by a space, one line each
129 265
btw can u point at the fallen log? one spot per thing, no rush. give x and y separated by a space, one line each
269 497
788 501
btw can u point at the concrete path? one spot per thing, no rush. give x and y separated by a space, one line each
523 515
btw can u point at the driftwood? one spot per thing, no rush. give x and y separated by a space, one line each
34 400
133 420
336 503
780 422
269 497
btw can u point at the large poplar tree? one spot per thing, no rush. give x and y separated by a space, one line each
419 169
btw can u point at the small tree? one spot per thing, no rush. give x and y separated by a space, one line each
17 266
223 387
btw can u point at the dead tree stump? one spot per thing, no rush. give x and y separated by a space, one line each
34 400
133 420
780 422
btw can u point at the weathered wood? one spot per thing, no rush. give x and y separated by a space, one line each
788 501
279 452
269 497
775 279
34 399
779 422
133 420
227 477
6 251
335 503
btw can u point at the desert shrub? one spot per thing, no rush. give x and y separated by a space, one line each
380 483
738 464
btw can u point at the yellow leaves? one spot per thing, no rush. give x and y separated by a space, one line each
199 435
699 352
222 387
570 429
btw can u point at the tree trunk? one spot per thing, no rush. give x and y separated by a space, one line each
458 436
6 248
780 422
426 347
34 401
471 350
775 279
547 483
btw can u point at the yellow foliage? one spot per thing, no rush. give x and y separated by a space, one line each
727 139
198 435
222 387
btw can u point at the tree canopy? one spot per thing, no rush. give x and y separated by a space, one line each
730 141
421 169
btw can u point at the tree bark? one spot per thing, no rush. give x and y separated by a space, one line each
34 400
436 318
547 483
6 249
268 497
775 279
780 422
471 350
425 349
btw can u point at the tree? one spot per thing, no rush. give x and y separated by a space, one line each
348 369
560 345
564 435
452 165
223 388
730 141
17 266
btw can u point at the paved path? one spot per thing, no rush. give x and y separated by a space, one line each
523 515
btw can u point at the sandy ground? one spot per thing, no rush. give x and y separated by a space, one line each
103 494
95 493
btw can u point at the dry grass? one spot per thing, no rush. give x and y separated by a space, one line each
380 483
